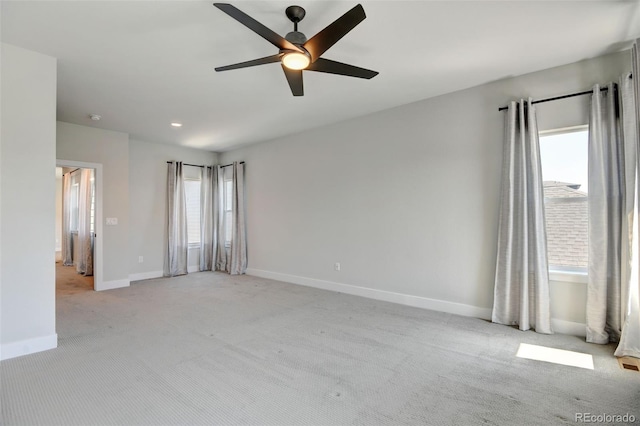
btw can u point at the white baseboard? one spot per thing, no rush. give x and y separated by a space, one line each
158 274
146 275
110 285
387 296
559 326
29 346
568 327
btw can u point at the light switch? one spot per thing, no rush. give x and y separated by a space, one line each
112 221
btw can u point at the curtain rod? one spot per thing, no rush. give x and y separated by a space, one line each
229 165
72 171
571 95
186 164
196 165
586 92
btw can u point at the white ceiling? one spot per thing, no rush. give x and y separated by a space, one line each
142 64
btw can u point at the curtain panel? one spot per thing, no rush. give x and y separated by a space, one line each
222 254
606 199
232 257
85 234
612 295
176 248
521 292
629 344
210 203
67 237
238 258
613 225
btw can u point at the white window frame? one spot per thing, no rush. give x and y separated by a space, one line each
561 274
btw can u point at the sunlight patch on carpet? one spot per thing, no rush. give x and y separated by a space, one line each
555 356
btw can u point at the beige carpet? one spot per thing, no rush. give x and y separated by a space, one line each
210 349
69 281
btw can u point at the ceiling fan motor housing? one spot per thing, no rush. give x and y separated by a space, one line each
295 13
296 37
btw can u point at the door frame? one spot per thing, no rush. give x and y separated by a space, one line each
97 245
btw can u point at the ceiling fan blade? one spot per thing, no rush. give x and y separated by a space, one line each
334 67
319 43
294 77
255 26
253 63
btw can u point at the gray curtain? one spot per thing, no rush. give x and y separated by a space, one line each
630 313
607 198
222 253
209 217
232 257
67 237
628 267
521 293
85 234
175 262
238 258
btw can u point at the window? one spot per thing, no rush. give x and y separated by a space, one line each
192 195
564 158
75 211
228 210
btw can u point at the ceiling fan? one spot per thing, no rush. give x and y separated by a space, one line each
296 52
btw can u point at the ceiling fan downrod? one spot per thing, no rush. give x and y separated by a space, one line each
295 15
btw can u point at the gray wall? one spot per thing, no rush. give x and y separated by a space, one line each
405 199
147 207
27 202
111 149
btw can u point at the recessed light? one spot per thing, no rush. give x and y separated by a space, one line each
95 117
175 124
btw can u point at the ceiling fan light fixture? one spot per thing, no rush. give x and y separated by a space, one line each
296 60
295 52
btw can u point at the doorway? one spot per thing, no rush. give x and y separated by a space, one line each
78 227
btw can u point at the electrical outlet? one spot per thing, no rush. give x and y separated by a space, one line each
140 259
112 221
336 266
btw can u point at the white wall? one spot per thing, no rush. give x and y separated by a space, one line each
111 149
27 202
147 207
405 199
